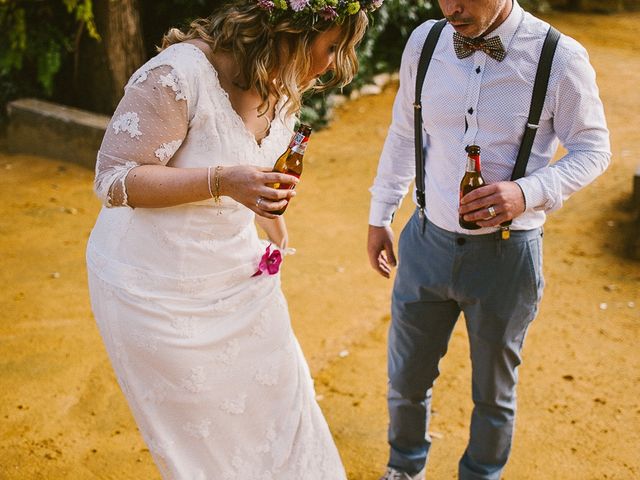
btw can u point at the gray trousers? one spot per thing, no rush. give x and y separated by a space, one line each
498 285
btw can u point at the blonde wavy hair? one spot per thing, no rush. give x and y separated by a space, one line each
274 57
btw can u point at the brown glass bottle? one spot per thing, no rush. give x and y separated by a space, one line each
290 162
471 180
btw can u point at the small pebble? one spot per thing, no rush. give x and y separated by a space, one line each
437 435
611 223
603 306
343 353
319 398
340 269
55 275
631 304
71 210
370 90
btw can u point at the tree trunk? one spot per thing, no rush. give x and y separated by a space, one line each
123 41
103 68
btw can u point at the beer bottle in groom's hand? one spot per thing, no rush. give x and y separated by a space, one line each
471 180
290 162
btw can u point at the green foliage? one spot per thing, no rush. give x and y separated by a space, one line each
380 51
35 38
388 33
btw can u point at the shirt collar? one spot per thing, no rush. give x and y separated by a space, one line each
507 29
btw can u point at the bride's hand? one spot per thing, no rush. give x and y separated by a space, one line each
250 186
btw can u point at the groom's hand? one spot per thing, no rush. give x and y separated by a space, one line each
380 249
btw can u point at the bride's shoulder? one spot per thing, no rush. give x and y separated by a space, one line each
182 61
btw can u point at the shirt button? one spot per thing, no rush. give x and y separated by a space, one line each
470 111
460 241
478 70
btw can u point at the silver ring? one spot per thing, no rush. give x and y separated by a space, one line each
259 201
492 211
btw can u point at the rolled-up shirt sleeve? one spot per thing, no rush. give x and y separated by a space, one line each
396 168
579 122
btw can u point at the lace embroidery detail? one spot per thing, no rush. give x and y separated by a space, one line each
196 383
198 429
185 326
142 77
270 437
127 122
230 352
171 80
267 375
167 150
260 329
243 469
146 342
235 407
223 305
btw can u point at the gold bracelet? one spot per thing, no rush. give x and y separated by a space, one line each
209 181
216 184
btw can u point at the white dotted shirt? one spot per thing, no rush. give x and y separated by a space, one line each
478 100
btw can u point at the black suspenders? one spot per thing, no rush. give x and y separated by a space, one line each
423 65
537 101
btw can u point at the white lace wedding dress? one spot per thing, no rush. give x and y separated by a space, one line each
203 351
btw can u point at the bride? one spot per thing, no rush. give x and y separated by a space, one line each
202 346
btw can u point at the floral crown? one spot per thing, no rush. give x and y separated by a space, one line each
312 11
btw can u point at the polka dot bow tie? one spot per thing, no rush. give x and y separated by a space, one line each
492 46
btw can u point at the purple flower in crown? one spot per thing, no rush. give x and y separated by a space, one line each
328 13
299 5
269 263
266 5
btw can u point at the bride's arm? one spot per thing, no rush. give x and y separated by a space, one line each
146 130
276 230
152 186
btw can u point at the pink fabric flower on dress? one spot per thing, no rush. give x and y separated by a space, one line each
270 262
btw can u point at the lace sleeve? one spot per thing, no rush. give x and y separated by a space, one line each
147 128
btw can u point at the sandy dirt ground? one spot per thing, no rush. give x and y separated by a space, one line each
62 415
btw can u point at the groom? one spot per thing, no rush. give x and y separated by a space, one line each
476 93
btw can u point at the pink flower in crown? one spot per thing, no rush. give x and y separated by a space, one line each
328 13
298 5
270 262
266 5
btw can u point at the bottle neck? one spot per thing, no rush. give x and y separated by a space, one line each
473 163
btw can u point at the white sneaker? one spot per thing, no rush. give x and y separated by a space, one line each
393 474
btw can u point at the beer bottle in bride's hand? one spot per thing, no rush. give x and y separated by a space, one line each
290 162
471 180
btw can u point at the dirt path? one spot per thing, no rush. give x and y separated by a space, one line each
63 416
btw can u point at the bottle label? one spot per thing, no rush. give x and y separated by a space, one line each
301 147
